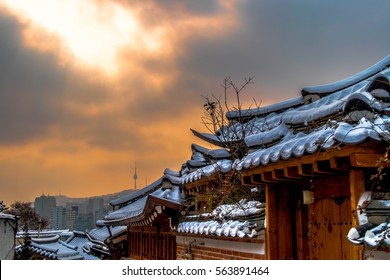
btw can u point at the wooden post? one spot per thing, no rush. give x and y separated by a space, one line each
271 231
357 188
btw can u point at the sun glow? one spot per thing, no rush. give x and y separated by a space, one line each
92 31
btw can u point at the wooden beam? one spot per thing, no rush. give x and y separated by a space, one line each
324 167
267 177
342 153
340 163
366 160
292 172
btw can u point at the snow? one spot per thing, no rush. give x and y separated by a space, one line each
355 134
318 125
54 248
214 154
135 195
296 146
267 137
7 216
101 234
223 166
136 208
244 219
281 106
374 227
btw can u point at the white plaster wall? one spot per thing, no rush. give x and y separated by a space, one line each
376 255
247 247
7 241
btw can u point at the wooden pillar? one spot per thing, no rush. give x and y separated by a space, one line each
357 188
271 231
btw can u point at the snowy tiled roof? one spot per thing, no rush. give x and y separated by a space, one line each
352 115
53 248
212 154
337 86
103 233
351 111
223 166
244 219
145 205
7 216
135 195
80 241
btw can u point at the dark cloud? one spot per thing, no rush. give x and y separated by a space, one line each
35 89
25 107
147 110
291 44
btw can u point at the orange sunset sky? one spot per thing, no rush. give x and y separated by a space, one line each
88 88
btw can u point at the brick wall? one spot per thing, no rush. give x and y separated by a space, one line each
213 249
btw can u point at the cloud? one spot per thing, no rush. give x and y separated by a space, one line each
69 126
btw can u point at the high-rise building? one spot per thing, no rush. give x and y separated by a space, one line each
95 206
58 217
43 206
71 216
84 222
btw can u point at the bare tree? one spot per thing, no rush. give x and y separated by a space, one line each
228 188
27 219
229 132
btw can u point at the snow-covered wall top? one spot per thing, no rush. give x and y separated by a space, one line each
244 219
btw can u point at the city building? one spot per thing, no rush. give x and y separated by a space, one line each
43 206
95 206
58 217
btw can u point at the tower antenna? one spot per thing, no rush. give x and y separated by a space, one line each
135 177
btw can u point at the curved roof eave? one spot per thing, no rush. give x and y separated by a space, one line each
323 90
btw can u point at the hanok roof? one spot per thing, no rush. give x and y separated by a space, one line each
81 242
351 111
145 205
7 217
53 248
103 233
205 162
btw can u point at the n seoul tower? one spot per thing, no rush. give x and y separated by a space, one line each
135 177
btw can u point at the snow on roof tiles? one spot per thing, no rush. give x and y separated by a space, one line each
223 166
244 219
7 216
53 248
213 154
135 210
135 195
337 86
351 115
103 233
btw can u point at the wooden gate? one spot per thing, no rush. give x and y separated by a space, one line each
328 224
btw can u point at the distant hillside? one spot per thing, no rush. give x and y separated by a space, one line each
62 200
